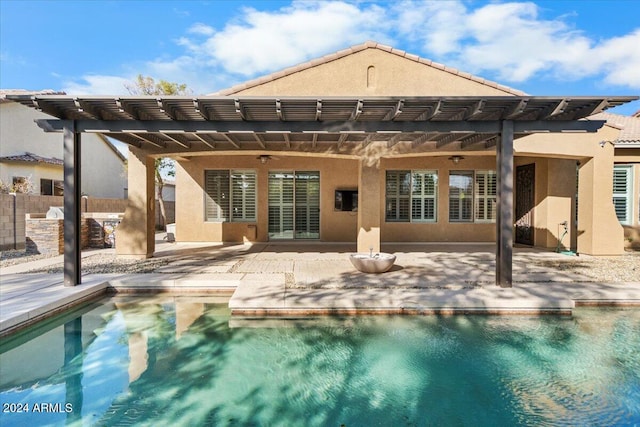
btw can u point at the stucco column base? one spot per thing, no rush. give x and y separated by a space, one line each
135 236
369 206
599 231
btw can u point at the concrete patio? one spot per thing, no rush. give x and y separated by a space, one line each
289 279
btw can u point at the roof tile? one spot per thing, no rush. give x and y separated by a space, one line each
629 126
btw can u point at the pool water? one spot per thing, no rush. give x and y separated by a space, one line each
186 362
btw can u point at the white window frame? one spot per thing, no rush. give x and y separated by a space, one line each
423 195
410 196
489 199
232 211
623 192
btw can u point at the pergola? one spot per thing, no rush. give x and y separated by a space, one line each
180 125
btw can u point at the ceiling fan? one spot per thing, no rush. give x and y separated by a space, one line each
264 158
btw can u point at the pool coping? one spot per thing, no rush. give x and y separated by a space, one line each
32 298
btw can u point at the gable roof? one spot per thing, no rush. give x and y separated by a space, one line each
31 158
357 48
629 128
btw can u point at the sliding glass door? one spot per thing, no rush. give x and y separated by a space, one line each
294 205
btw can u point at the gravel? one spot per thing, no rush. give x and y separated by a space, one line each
13 257
109 263
624 268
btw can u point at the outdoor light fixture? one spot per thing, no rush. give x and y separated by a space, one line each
456 159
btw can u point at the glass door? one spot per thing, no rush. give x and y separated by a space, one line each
281 205
294 205
307 205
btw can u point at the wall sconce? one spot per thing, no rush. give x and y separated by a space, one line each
456 159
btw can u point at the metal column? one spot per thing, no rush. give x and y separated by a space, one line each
72 215
504 220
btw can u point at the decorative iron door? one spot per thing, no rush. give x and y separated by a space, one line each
525 202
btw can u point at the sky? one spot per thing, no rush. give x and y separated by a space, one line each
569 48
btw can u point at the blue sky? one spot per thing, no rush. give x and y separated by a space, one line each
557 47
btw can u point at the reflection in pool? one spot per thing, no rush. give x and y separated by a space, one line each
184 361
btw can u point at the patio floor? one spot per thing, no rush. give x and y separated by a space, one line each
317 278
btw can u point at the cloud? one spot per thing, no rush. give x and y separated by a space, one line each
96 84
511 42
200 28
620 57
259 42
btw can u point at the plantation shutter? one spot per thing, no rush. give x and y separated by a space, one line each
243 195
216 187
398 184
423 195
485 196
460 196
622 193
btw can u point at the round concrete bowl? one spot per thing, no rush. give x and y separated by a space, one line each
377 263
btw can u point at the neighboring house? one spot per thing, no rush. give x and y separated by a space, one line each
626 173
168 190
28 152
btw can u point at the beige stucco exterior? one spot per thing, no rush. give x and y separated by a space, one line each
630 157
373 71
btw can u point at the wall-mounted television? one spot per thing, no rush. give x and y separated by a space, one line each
346 200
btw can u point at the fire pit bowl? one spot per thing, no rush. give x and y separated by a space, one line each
372 263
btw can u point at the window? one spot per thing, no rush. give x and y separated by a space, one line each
460 196
485 193
472 196
424 189
51 187
622 193
411 196
230 196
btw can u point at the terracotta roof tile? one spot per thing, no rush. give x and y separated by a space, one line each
629 126
412 57
31 158
357 48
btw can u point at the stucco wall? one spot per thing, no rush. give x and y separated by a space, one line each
372 72
598 230
190 225
103 173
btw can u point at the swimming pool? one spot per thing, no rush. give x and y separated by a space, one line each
184 361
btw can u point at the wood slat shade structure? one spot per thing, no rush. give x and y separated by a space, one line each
183 124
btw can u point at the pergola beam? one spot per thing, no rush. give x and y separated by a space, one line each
266 126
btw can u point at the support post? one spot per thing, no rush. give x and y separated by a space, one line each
504 220
71 160
369 206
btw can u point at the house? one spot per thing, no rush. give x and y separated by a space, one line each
28 153
421 191
368 145
626 173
